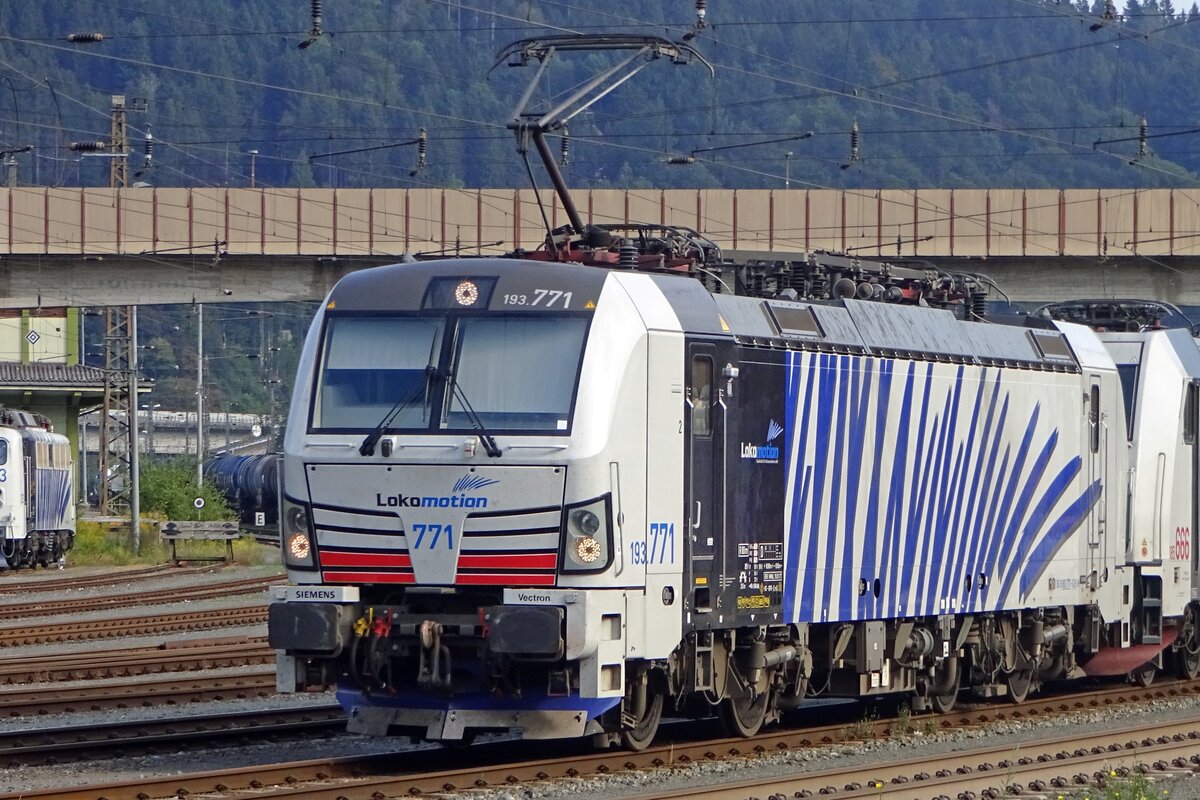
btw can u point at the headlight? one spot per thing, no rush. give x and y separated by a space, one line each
299 548
586 521
587 537
296 535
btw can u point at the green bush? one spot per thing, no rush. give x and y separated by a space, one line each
169 491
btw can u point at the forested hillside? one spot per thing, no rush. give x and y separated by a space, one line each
1010 93
944 93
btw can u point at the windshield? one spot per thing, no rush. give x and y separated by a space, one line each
373 363
518 373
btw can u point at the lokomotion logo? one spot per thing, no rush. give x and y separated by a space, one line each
764 453
457 498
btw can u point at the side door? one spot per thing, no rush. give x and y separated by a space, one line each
1095 458
1191 423
704 428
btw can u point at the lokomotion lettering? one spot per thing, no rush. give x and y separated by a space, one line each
412 501
760 452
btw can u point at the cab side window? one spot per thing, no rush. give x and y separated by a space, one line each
701 395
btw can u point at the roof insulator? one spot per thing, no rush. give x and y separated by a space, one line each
1109 15
315 32
855 140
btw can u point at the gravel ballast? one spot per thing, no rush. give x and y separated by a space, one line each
127 768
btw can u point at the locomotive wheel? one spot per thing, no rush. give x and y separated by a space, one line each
1019 683
1187 658
743 716
640 736
947 675
1143 676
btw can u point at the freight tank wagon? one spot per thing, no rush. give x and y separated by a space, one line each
566 499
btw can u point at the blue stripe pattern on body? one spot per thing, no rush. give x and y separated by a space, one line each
924 481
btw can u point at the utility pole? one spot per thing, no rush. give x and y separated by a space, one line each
199 397
119 441
118 165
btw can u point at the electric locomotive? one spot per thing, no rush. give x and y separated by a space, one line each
568 499
37 508
631 474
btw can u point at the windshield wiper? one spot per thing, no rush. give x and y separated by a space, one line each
367 448
489 444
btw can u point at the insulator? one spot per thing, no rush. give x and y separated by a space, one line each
88 147
85 38
1143 128
422 139
565 157
1110 10
819 288
701 12
854 141
681 160
978 303
315 33
627 256
148 146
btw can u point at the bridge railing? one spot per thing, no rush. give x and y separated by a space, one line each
346 222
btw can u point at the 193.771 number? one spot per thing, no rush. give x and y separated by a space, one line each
545 298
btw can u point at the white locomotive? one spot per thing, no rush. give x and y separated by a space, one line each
37 508
568 499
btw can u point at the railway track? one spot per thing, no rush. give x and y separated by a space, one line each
184 656
174 622
159 596
1032 768
77 742
1160 746
1062 764
149 691
14 581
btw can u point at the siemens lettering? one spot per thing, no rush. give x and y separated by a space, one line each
409 501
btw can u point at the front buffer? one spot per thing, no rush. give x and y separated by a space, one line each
537 660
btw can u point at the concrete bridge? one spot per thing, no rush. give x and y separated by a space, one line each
76 247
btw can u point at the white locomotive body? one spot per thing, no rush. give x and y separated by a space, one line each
560 498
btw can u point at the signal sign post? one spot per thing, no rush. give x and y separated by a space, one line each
176 531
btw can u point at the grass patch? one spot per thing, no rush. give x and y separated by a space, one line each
864 729
102 544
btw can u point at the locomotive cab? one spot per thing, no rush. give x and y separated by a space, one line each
462 509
